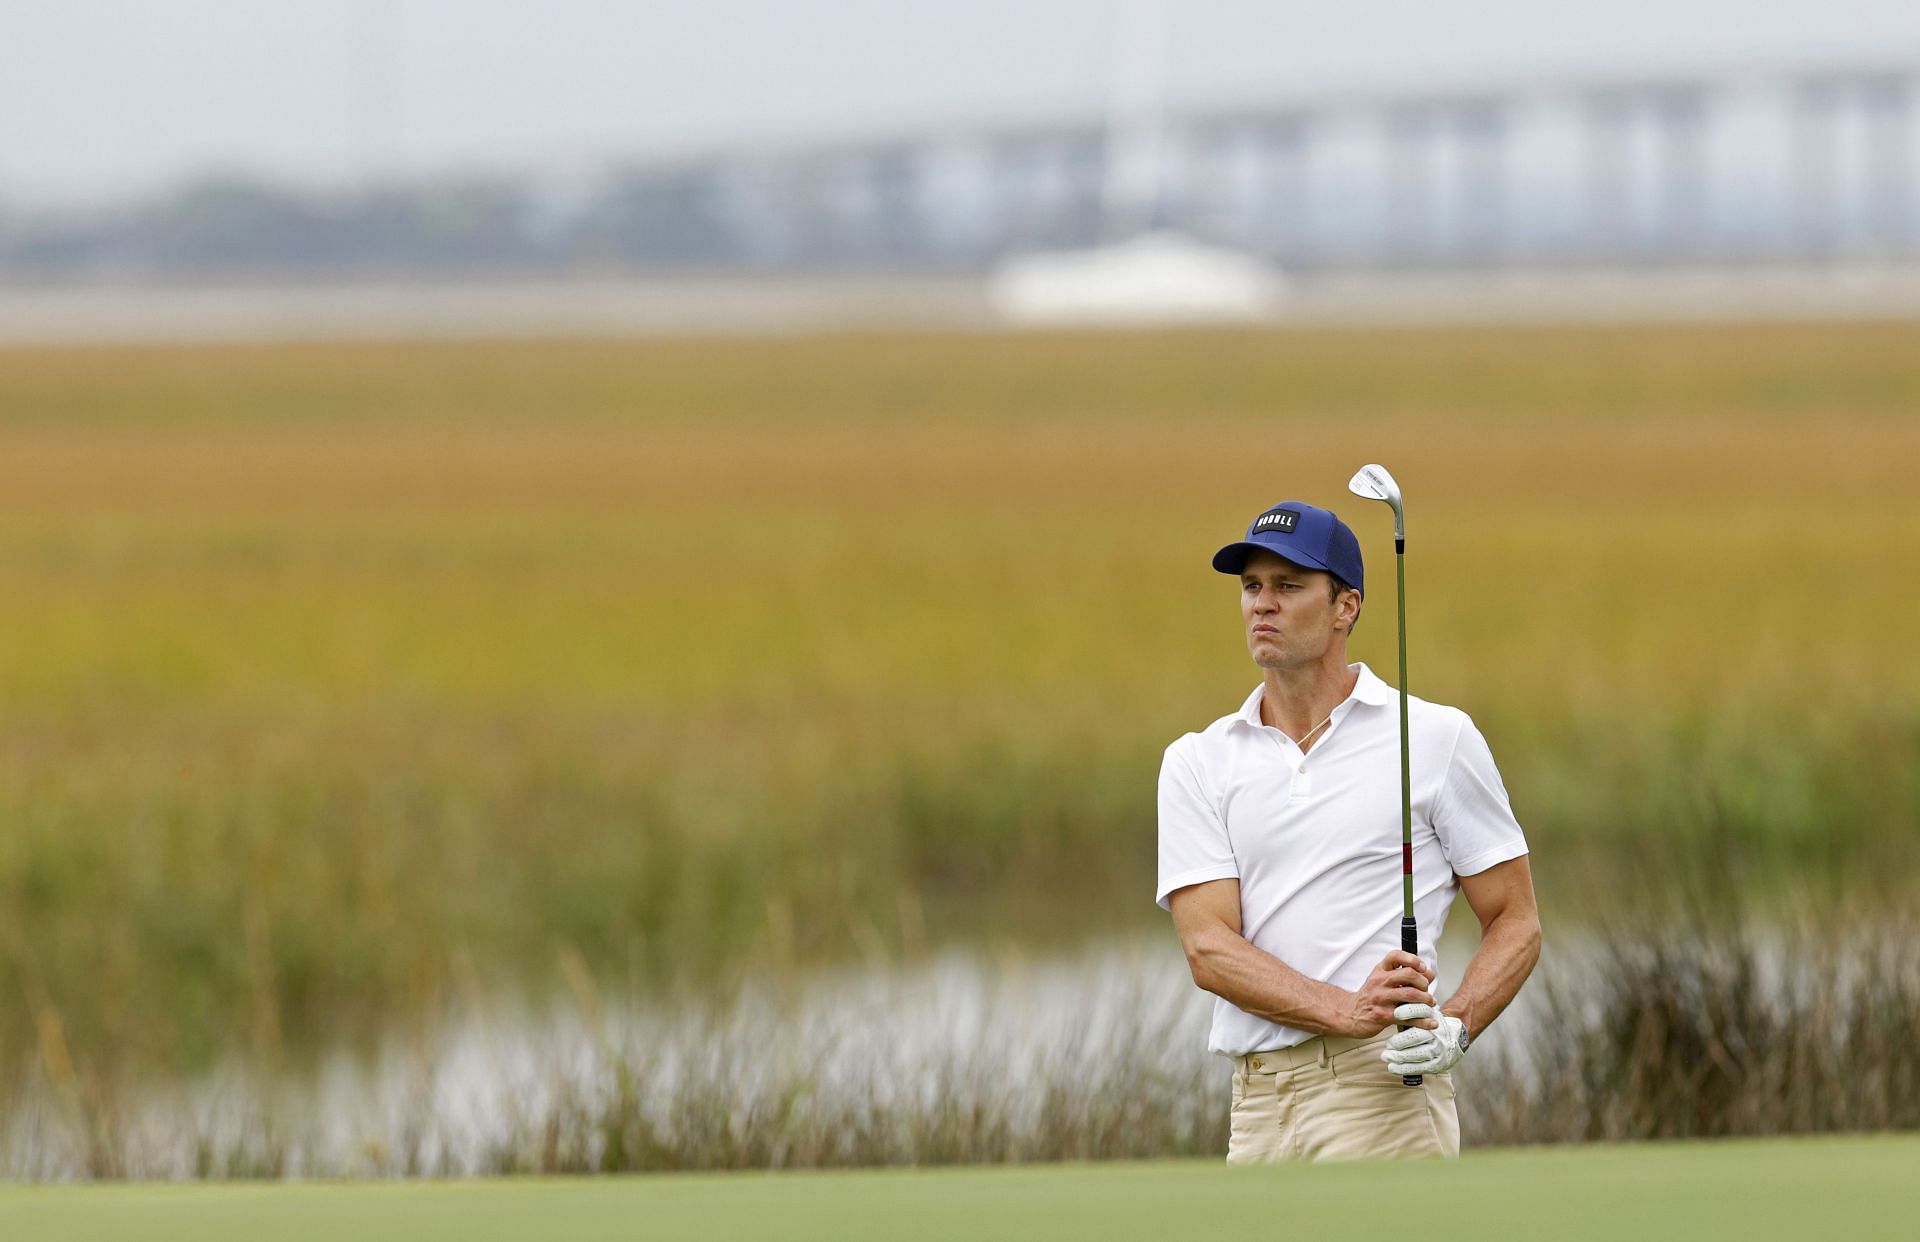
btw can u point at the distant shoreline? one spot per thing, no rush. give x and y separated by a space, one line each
709 305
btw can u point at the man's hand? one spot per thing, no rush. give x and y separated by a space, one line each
1400 981
1426 1048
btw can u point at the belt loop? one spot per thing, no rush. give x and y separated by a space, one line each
1323 1052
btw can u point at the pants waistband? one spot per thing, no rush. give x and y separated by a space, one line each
1316 1051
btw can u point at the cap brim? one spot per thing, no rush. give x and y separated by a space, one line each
1233 558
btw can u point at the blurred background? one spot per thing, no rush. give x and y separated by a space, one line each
614 168
602 586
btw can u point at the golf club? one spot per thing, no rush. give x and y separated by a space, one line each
1374 483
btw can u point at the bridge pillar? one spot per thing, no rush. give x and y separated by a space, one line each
1889 103
1283 225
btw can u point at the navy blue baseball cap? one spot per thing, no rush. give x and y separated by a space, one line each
1304 534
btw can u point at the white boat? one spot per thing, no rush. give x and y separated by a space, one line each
1158 277
1149 275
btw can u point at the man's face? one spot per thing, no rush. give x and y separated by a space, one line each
1287 611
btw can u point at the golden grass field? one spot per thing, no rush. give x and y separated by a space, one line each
337 678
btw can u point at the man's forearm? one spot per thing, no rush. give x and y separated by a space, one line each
1509 947
1229 966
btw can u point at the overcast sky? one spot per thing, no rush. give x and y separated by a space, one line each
102 98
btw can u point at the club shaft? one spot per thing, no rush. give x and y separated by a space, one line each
1409 928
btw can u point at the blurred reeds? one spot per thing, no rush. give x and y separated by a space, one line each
1721 1030
1716 1029
333 673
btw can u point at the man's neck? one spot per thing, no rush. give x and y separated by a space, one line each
1298 699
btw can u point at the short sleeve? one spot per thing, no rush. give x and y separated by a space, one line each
1194 846
1472 816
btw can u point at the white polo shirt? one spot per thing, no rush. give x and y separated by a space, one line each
1315 839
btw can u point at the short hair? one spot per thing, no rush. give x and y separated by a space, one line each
1339 584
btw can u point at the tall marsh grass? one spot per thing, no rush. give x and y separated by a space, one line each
331 673
1732 1030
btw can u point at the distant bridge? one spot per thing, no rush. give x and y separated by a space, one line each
1790 165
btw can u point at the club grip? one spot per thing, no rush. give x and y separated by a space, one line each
1410 941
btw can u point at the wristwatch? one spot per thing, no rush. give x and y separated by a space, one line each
1465 1038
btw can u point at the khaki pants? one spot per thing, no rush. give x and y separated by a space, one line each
1331 1098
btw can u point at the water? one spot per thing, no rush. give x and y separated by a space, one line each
963 1056
977 1057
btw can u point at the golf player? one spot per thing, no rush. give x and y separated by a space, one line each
1280 861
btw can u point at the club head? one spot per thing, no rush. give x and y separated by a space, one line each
1374 483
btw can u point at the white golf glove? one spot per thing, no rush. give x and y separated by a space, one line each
1417 1050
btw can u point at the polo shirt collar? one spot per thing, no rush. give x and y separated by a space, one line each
1369 689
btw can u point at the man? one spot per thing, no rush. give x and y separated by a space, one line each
1280 860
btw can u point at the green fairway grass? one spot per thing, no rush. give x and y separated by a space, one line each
1738 1191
